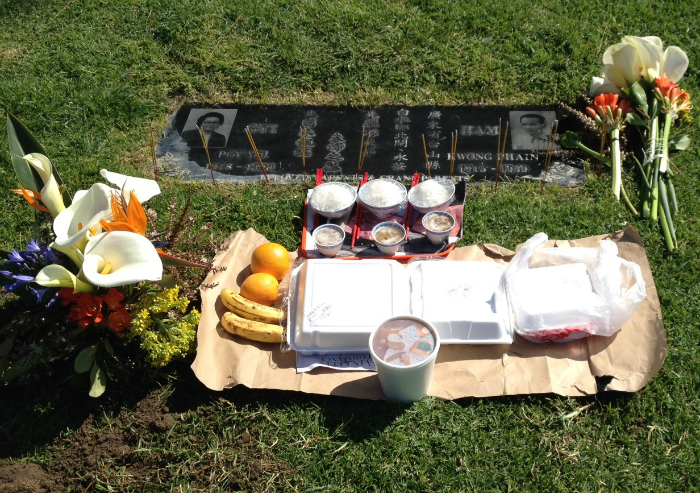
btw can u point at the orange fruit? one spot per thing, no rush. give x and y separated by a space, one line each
272 259
261 288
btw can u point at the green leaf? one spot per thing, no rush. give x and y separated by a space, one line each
22 142
570 140
654 108
167 282
6 345
84 360
109 348
678 143
98 381
639 96
636 120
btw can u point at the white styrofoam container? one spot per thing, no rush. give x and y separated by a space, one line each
335 304
459 299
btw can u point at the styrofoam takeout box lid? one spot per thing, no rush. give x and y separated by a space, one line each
337 303
458 299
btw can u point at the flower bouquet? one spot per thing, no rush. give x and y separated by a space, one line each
638 87
98 286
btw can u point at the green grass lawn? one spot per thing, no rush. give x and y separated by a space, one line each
62 72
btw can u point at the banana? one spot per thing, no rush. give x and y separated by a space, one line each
250 329
251 310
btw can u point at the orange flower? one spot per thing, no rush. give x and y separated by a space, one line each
119 320
131 217
672 98
609 108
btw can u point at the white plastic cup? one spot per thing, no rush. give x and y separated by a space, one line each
437 237
406 383
329 250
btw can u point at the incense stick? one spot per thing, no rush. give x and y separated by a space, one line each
499 163
257 154
364 147
602 146
550 149
302 137
359 158
427 160
206 151
455 135
153 153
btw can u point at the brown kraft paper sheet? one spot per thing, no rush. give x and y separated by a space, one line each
630 357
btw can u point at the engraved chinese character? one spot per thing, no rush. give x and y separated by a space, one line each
309 122
435 114
401 157
401 127
402 119
401 140
434 125
403 112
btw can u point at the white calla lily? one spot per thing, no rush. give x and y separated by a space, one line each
143 188
119 258
87 210
637 58
57 276
50 192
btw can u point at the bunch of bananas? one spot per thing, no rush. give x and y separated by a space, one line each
251 320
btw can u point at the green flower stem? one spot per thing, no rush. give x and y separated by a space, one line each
594 154
667 216
647 185
663 163
616 165
667 234
671 192
655 192
649 171
627 200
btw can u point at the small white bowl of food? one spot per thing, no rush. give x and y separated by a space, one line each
329 239
388 236
438 226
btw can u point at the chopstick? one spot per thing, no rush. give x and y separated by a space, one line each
358 214
319 179
409 208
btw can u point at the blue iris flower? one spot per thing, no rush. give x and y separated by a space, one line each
20 280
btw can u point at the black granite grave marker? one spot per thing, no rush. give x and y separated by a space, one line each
333 135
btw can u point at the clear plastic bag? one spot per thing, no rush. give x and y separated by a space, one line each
561 294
